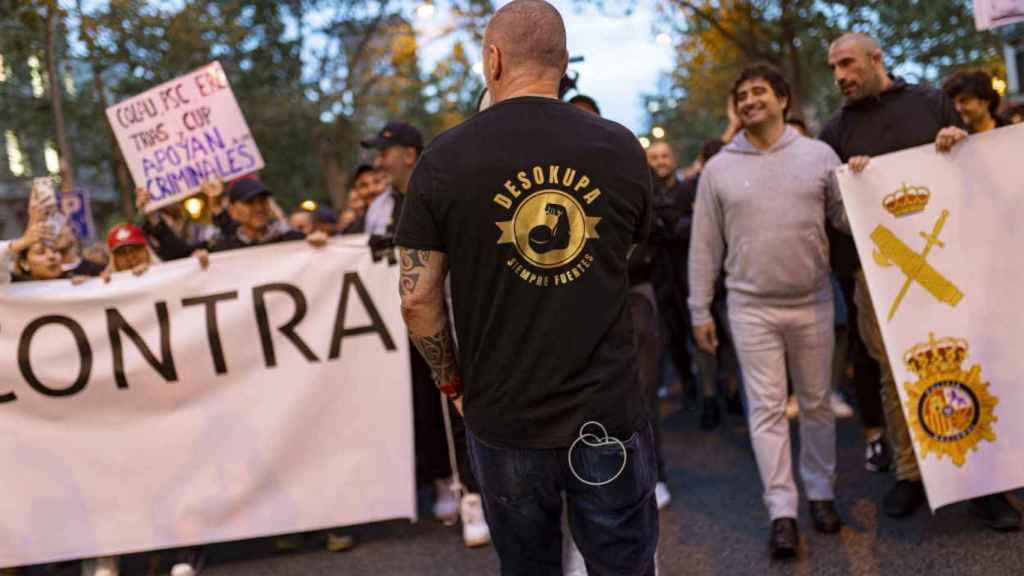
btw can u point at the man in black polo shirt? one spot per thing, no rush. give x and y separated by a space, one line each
884 114
533 206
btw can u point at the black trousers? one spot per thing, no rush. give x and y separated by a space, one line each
866 372
670 287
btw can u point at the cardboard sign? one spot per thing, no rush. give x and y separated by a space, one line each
178 135
994 13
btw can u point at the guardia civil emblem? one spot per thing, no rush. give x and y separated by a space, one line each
951 409
889 250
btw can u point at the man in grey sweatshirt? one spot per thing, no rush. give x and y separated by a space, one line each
761 209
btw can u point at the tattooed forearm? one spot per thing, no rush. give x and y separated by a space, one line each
439 352
413 263
423 308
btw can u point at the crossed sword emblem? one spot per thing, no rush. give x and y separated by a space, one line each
891 250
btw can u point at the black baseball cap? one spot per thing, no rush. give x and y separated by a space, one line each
246 189
396 134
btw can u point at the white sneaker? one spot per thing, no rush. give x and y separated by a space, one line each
840 407
475 531
572 560
188 562
662 495
792 407
446 503
105 566
183 570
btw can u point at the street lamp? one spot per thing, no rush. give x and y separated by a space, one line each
658 132
999 85
194 207
645 142
664 39
308 205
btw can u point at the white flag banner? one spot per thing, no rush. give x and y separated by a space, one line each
995 13
269 394
938 236
183 132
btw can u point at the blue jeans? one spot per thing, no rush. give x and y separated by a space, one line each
614 525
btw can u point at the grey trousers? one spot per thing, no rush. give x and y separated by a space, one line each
767 340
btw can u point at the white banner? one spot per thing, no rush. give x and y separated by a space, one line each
183 132
995 13
938 236
269 394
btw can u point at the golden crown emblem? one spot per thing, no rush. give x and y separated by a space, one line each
907 200
936 356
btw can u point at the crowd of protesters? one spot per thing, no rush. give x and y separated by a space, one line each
711 319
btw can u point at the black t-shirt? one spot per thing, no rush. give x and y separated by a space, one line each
536 204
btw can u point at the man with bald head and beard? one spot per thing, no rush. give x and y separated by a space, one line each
883 114
532 206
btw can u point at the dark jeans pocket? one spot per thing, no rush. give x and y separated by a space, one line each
610 473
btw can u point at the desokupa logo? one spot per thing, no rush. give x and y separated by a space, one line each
549 226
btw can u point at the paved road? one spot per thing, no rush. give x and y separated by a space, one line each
715 525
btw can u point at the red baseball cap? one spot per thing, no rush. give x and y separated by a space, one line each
125 235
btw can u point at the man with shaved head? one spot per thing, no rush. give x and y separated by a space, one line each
532 206
884 114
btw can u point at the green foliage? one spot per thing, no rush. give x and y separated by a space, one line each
312 77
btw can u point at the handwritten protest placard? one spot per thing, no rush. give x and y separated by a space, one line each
183 132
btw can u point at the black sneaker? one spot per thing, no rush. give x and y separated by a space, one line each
997 512
709 415
878 457
903 498
784 539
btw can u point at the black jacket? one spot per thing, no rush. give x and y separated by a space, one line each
904 116
670 236
234 240
167 245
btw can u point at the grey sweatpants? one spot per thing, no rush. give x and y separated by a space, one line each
767 340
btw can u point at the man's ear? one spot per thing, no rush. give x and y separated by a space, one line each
495 64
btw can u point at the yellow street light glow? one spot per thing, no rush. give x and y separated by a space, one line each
645 142
308 205
664 39
425 11
999 85
658 132
194 207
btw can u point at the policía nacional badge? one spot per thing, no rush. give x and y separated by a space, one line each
951 410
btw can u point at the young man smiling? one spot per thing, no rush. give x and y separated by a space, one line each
761 209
